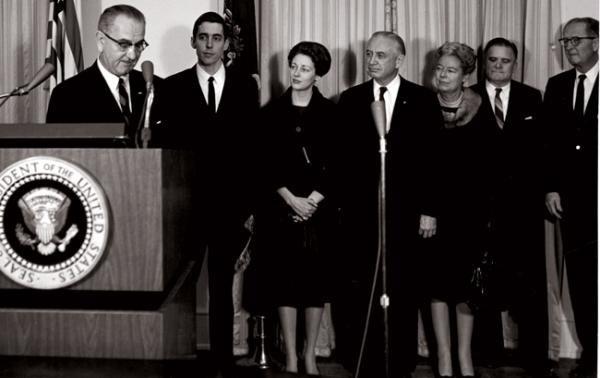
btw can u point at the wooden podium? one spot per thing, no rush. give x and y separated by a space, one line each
139 301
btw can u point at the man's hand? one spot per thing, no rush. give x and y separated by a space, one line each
427 226
553 204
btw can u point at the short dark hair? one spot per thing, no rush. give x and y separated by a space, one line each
210 17
464 53
108 16
499 41
394 37
316 52
591 23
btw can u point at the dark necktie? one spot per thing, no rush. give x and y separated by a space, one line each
498 111
124 102
382 91
579 97
211 95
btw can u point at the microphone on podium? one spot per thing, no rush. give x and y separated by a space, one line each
148 73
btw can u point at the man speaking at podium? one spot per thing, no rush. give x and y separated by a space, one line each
109 91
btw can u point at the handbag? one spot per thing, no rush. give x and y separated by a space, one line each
481 284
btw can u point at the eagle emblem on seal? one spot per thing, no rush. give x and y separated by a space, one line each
44 213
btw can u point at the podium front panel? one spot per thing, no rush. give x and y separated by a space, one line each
148 193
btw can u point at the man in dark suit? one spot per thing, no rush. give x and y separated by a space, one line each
571 105
109 90
517 208
211 110
413 121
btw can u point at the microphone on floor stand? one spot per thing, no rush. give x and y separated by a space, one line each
378 112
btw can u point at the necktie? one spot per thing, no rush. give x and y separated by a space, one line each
211 95
124 102
382 91
579 97
498 111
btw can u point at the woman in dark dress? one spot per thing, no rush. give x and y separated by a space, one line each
292 224
462 219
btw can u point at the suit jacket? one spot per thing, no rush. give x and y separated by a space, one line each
516 178
410 172
572 158
223 142
87 98
411 146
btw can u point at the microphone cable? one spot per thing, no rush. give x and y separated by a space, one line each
369 310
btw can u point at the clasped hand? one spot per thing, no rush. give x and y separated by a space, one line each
304 208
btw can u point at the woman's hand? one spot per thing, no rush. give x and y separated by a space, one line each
304 208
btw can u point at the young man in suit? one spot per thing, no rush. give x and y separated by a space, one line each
110 90
413 121
211 109
517 210
571 105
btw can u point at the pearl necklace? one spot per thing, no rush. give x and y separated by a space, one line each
451 104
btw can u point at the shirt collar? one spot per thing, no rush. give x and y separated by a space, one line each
591 74
111 79
219 75
392 87
492 88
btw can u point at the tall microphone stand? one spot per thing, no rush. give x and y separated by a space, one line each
378 111
384 300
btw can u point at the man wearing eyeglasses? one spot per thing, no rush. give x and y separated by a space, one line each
571 105
109 91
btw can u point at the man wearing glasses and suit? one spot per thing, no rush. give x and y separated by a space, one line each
571 105
109 91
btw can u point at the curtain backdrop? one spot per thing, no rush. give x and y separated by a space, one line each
23 28
345 25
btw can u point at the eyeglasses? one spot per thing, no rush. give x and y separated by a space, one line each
125 45
575 41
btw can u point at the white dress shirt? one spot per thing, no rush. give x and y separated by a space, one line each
588 85
112 81
390 98
218 83
504 96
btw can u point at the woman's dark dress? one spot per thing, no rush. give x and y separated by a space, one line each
463 207
294 257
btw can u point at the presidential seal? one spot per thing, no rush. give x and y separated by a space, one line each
54 222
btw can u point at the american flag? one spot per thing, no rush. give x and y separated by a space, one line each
63 49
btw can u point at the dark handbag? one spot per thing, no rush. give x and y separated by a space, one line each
481 283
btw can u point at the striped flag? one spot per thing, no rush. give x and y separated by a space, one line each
63 49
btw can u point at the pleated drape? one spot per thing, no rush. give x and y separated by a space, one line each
23 25
341 25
